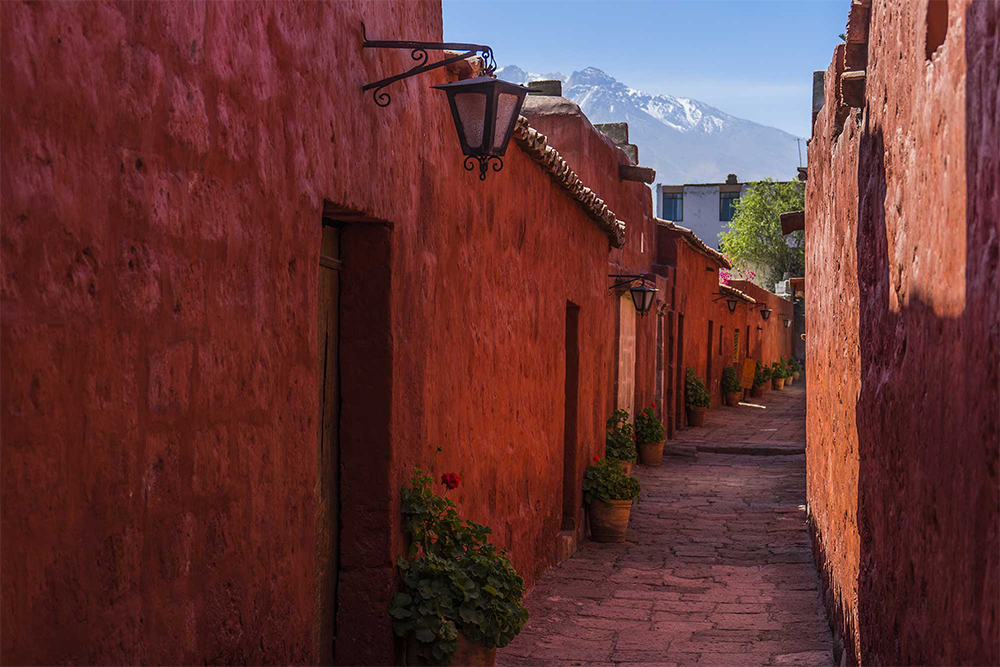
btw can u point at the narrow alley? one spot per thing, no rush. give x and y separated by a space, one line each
717 569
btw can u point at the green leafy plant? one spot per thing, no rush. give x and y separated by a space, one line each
762 375
793 365
454 579
778 371
605 481
753 238
648 427
730 381
620 438
696 395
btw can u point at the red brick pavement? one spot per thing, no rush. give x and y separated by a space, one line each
717 569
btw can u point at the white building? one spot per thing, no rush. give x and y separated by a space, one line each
704 208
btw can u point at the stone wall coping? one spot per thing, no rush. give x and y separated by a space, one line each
535 144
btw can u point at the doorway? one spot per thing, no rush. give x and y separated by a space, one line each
570 498
679 403
327 492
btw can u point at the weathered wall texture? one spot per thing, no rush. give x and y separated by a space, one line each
165 170
902 211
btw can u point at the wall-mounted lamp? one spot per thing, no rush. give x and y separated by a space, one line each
731 301
765 312
787 321
642 294
484 109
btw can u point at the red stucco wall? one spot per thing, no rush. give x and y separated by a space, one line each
165 170
902 207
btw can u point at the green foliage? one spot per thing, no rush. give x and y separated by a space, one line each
454 579
762 375
754 240
779 371
696 395
648 427
605 481
730 381
793 364
620 439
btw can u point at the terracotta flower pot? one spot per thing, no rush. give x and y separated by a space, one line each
795 375
757 391
696 416
608 521
733 398
626 467
777 383
651 453
467 652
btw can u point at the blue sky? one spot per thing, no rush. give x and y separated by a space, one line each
750 58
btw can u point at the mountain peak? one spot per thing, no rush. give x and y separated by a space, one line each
685 140
592 76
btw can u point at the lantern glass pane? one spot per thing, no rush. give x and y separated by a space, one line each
506 107
472 112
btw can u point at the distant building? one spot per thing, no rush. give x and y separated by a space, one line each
704 208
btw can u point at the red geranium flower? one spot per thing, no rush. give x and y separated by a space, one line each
450 480
597 459
654 405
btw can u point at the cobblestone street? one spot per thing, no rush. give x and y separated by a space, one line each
717 569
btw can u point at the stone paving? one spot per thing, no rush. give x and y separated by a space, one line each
717 569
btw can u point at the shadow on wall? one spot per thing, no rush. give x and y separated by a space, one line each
927 422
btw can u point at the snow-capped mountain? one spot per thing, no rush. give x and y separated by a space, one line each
685 140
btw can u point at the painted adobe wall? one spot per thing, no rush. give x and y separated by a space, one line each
697 281
902 207
161 230
769 339
595 158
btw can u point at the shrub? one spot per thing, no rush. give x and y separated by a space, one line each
620 438
648 427
454 579
762 375
695 393
730 381
605 481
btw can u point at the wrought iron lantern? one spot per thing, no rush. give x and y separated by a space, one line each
731 301
485 110
787 321
642 294
765 313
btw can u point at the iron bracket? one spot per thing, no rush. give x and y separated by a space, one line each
418 52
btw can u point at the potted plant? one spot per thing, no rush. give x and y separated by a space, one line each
697 398
608 493
649 433
795 367
761 379
619 443
461 597
777 376
731 386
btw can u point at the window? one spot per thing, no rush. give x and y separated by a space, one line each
726 201
673 206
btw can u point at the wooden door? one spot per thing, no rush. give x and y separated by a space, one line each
328 451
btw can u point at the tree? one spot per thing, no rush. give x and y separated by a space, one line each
753 240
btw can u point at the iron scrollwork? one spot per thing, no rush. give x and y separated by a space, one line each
484 162
418 53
